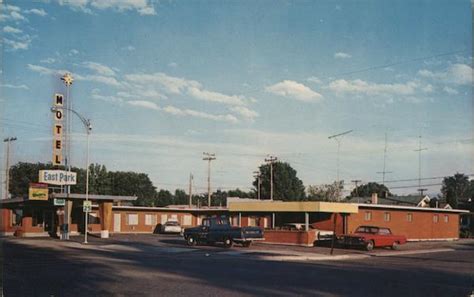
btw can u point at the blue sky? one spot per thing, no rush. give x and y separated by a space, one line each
164 81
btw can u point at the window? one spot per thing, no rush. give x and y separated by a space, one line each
187 220
446 218
386 216
409 217
384 231
252 221
17 217
132 219
93 218
435 218
150 220
37 218
368 216
164 219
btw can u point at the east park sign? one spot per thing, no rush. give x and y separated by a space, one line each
57 177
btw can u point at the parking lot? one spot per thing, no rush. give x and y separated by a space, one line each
147 265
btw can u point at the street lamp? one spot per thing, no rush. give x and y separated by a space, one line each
7 140
88 127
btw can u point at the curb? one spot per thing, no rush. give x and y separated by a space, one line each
314 258
403 253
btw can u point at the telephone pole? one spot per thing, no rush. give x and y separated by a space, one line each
7 140
208 157
356 182
419 150
336 138
190 190
271 160
257 175
383 172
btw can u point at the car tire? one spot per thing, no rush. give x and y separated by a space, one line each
228 242
246 244
369 245
395 245
191 241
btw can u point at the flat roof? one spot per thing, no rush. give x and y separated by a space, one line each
94 197
415 208
291 206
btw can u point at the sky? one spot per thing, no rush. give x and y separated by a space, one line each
163 82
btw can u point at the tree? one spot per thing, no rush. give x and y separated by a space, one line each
180 197
326 192
457 188
22 174
286 185
368 189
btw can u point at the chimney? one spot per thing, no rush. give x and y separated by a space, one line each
375 199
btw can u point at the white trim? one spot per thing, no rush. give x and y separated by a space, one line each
124 207
368 205
7 233
434 239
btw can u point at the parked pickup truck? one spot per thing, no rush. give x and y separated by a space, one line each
218 229
372 236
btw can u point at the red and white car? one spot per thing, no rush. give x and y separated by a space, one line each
370 237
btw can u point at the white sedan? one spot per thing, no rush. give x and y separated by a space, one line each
171 227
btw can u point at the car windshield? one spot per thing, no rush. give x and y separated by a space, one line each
172 224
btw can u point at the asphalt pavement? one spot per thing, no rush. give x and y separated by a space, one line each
147 265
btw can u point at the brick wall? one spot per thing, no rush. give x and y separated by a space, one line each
290 237
422 225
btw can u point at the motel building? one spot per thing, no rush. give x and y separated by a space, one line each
111 215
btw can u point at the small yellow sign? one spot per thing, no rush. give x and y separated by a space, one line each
38 192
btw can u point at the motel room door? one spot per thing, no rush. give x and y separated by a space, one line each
117 222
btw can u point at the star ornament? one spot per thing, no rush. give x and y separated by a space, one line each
67 78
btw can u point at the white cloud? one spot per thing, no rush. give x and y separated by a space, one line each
460 74
39 12
8 29
450 91
25 87
362 87
189 112
172 65
143 7
99 68
244 112
206 95
314 79
100 79
73 52
14 45
292 89
48 60
129 48
144 104
428 88
181 86
94 78
341 55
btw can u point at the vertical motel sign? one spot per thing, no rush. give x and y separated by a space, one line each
58 129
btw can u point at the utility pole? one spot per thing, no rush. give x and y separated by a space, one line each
336 138
383 172
7 140
356 182
257 175
208 157
271 159
419 150
190 190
